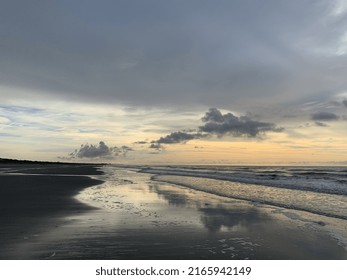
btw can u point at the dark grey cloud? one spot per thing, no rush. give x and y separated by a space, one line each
218 124
321 124
223 124
156 146
140 142
324 116
173 53
178 137
345 102
99 151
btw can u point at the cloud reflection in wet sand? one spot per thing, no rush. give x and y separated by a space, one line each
214 215
142 219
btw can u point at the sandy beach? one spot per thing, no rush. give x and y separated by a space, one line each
126 215
35 204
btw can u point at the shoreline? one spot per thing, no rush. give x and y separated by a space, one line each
130 216
36 202
241 191
145 219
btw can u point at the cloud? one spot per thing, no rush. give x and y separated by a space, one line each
100 151
140 142
334 103
345 102
178 137
218 124
324 116
153 54
321 124
4 120
3 134
156 146
297 147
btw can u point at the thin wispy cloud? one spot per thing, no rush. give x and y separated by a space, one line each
140 142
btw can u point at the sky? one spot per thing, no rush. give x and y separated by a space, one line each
174 82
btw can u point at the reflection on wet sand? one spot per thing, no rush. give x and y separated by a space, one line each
215 219
143 219
251 222
215 214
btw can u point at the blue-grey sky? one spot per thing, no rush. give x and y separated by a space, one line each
283 63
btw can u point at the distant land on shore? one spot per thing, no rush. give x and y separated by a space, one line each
21 161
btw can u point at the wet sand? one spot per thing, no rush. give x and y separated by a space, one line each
31 205
132 217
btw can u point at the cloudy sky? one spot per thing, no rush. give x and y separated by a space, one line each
165 82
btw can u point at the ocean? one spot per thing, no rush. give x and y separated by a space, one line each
320 190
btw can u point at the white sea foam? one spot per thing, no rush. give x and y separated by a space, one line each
321 203
331 180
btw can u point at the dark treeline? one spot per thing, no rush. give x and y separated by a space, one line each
17 161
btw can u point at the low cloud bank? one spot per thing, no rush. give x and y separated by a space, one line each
99 151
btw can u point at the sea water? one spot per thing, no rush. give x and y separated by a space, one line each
320 190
